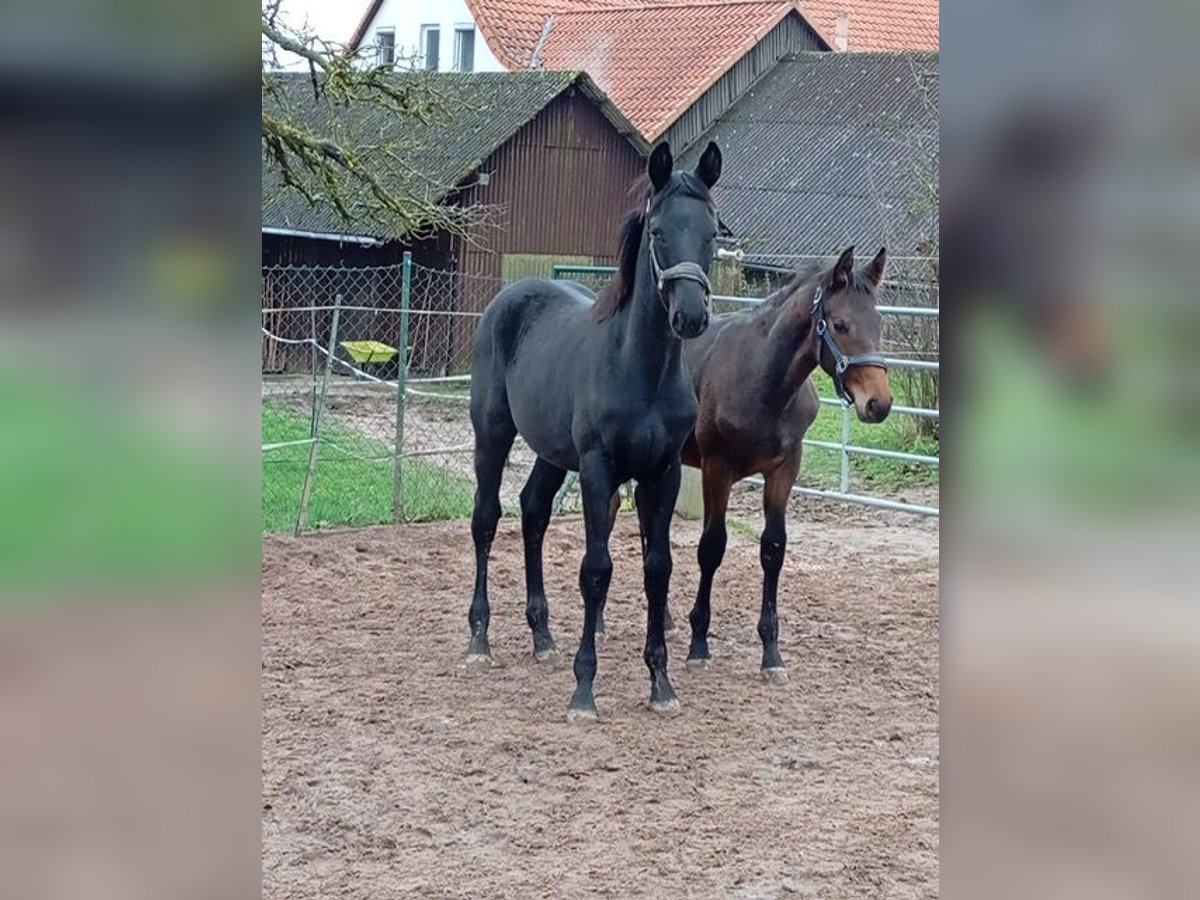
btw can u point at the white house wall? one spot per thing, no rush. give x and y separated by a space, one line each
407 17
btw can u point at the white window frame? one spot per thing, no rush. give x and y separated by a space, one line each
425 29
379 61
461 28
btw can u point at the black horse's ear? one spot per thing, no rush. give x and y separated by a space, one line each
661 166
708 169
874 269
840 276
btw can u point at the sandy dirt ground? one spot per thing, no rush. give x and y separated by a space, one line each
392 770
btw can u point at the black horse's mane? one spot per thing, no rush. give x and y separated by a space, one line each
620 289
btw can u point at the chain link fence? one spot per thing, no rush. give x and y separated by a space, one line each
338 400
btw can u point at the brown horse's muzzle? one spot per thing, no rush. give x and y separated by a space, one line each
872 394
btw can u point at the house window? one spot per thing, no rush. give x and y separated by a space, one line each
385 46
464 48
430 35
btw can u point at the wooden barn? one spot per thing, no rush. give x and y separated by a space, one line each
546 155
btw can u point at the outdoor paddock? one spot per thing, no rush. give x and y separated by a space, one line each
390 769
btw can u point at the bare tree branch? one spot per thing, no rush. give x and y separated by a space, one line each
313 152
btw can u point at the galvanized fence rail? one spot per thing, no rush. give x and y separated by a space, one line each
844 447
387 430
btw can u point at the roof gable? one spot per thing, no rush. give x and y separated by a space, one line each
654 61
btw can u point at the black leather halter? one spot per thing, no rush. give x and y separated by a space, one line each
841 362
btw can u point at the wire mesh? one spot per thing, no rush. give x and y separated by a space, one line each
358 477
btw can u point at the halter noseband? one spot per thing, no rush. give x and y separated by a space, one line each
841 362
683 271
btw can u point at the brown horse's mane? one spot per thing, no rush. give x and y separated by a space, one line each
641 192
805 276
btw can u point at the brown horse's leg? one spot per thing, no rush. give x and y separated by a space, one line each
777 491
655 504
717 483
537 498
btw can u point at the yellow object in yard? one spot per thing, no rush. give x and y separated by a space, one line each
369 351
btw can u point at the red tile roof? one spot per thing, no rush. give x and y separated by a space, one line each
512 28
876 24
654 61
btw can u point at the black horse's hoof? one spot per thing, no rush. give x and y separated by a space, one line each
548 655
700 664
581 715
776 675
582 705
665 707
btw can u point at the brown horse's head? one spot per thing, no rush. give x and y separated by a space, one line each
852 327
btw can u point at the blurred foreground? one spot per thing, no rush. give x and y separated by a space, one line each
128 480
1071 618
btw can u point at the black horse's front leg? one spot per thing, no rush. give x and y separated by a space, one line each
597 484
655 503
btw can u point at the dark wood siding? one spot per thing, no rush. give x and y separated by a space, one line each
559 187
791 35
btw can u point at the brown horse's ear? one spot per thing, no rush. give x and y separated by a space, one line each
708 169
661 165
840 276
874 269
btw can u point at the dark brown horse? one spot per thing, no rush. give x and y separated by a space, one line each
751 373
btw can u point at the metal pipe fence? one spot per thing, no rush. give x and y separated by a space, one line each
845 448
387 429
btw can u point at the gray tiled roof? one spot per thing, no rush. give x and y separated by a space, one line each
491 107
830 149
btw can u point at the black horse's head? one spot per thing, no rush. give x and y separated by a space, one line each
849 330
681 228
671 232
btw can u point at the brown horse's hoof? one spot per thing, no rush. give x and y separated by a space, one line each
777 675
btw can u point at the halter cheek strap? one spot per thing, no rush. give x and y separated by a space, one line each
683 271
841 362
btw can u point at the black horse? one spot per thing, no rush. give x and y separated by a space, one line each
597 388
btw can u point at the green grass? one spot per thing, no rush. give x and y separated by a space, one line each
822 468
353 483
